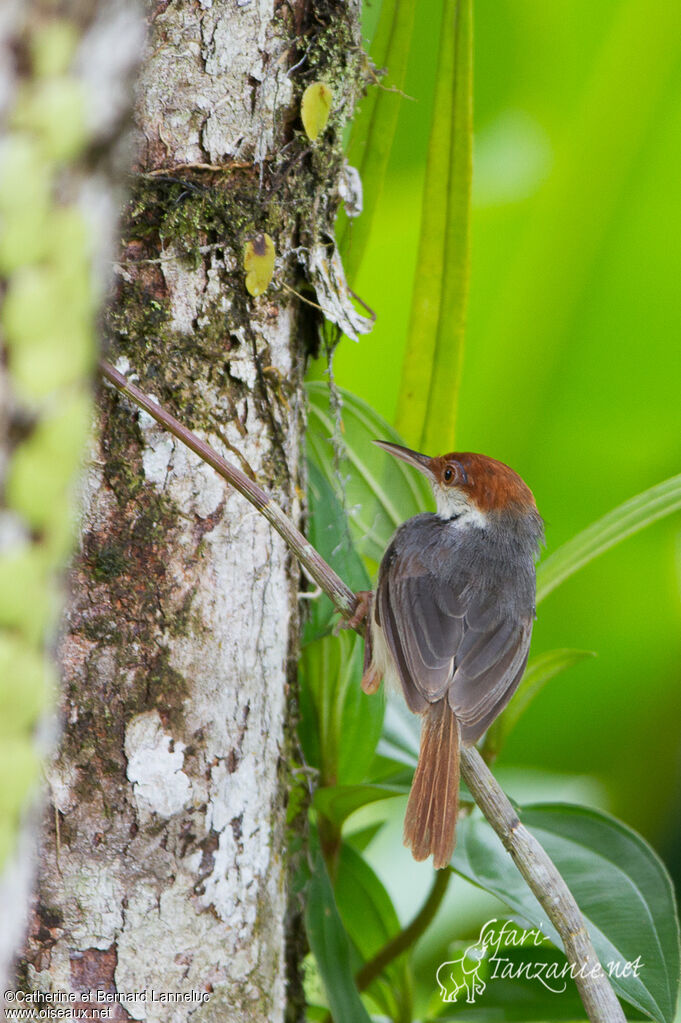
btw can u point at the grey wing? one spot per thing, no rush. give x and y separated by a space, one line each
451 642
489 665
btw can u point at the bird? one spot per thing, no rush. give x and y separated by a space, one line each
450 621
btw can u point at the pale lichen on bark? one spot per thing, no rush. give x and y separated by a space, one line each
204 908
215 82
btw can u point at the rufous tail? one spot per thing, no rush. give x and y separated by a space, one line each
430 821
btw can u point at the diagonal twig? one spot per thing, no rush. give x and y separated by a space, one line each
532 861
342 597
544 880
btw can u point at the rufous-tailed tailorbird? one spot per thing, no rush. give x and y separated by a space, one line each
450 623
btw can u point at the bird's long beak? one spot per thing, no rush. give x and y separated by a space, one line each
421 462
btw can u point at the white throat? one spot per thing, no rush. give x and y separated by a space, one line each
452 504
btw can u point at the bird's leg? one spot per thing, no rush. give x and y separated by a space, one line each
371 679
362 610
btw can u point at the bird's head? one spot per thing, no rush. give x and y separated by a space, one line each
467 484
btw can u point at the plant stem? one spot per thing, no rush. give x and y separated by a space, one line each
532 861
405 938
402 941
546 883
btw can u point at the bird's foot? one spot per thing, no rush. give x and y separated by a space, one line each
361 612
371 679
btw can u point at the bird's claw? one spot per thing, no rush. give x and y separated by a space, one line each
361 612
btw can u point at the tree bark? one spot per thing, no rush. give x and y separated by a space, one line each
164 879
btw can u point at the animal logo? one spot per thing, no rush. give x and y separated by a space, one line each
461 974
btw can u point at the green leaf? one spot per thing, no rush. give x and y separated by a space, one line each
315 109
338 801
340 725
25 686
379 492
518 997
373 128
539 671
370 921
331 948
259 256
54 109
617 525
361 839
52 47
364 904
621 887
20 774
427 402
329 534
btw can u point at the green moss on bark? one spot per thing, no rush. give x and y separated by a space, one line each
126 615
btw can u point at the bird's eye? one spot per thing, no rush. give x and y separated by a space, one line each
454 474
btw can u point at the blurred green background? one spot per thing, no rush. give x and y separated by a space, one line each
572 362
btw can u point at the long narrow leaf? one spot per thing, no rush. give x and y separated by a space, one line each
379 492
331 948
373 128
370 921
338 801
430 376
617 525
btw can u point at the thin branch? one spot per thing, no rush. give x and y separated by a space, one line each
532 861
546 883
174 257
302 298
342 597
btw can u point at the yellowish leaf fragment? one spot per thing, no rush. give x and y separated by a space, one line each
315 109
258 264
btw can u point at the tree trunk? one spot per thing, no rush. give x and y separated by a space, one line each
165 865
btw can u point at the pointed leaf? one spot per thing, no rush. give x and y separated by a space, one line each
373 128
361 839
620 884
331 948
430 376
338 801
617 525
